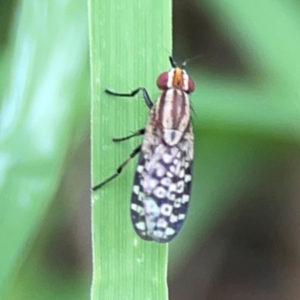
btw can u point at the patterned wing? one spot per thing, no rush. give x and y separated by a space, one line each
161 189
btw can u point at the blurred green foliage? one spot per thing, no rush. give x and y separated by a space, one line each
244 118
246 112
44 113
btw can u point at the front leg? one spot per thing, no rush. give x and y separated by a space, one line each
137 133
146 97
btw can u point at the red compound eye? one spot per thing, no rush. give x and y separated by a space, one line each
191 85
162 80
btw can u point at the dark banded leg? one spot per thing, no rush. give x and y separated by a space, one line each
146 97
137 133
119 169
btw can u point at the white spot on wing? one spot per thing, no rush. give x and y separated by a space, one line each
137 208
140 169
160 171
136 189
170 231
173 219
181 174
160 192
187 178
162 223
153 183
140 225
185 198
166 209
167 158
181 216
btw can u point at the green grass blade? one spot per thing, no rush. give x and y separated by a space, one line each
130 43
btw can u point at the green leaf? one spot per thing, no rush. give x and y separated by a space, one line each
130 43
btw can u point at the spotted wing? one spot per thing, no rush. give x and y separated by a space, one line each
161 189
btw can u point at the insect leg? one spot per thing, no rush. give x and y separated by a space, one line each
119 169
146 97
137 133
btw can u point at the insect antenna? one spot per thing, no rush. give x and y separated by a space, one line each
188 60
173 63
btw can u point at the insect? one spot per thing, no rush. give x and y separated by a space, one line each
163 178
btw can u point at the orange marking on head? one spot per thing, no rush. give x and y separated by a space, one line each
178 78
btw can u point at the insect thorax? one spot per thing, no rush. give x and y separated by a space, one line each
170 116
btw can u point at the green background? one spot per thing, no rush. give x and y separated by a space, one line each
240 237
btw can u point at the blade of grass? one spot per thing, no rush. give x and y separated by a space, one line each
129 45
